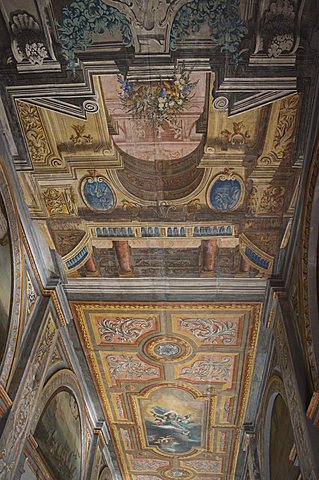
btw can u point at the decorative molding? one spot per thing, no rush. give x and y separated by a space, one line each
297 414
313 409
67 380
254 255
20 416
307 232
18 271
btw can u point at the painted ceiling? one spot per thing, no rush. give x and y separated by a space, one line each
158 178
174 381
208 195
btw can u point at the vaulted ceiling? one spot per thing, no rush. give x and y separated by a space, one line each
159 149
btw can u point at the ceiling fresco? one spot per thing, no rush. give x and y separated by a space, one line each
156 142
209 194
174 381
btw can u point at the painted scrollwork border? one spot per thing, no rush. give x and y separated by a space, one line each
18 273
63 380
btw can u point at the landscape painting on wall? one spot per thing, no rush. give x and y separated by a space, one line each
6 277
58 435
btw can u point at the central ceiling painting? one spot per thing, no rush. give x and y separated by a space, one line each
174 381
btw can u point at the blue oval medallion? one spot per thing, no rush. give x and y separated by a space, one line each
225 194
98 194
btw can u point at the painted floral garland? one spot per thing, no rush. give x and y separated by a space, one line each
157 102
85 18
223 17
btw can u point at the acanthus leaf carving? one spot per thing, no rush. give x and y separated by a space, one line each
285 131
272 200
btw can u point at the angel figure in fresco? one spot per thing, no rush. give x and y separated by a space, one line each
169 441
173 419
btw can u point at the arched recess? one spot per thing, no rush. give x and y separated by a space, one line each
278 439
105 474
58 427
11 274
310 272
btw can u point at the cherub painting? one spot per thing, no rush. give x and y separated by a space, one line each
177 429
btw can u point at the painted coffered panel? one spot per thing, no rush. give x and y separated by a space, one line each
174 381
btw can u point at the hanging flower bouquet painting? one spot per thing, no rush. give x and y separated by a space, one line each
157 102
